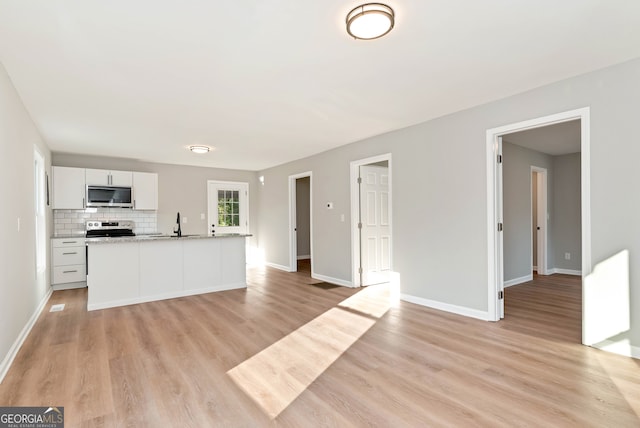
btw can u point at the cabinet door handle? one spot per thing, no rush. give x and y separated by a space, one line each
83 204
69 242
69 271
75 252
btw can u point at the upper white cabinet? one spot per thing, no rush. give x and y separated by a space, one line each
68 188
103 177
145 191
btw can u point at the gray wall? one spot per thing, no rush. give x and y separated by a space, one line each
303 225
567 216
563 207
440 195
517 208
20 294
180 188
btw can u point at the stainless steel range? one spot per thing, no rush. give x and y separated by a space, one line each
113 229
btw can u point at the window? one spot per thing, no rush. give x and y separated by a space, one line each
228 208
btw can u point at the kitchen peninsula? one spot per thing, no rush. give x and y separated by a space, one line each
126 271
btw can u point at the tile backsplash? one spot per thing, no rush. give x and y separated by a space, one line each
72 222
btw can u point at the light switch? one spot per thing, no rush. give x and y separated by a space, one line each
201 216
184 219
342 218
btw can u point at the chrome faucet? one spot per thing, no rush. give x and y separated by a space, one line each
176 228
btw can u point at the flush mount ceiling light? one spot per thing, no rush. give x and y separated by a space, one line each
370 21
200 149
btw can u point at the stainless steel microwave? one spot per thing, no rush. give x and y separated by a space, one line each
109 196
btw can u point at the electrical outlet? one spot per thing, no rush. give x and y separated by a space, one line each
342 218
201 216
567 256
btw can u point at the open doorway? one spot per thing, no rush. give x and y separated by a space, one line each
371 220
300 223
539 220
500 221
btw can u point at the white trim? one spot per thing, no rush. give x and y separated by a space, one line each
277 266
13 351
619 347
565 271
516 281
583 114
293 242
164 296
332 280
454 309
355 212
305 257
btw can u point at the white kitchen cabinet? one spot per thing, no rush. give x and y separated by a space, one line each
103 177
145 191
68 263
68 188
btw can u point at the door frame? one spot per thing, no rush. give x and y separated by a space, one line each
293 241
494 186
355 213
542 205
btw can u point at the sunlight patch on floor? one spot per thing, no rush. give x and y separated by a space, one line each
627 388
277 375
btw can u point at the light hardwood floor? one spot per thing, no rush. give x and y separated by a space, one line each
287 353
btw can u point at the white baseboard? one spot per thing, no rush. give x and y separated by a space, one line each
13 351
277 266
564 271
619 347
164 296
331 280
305 257
459 310
516 281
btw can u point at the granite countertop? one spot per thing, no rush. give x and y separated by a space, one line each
158 237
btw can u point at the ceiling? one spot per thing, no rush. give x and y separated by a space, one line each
559 139
267 82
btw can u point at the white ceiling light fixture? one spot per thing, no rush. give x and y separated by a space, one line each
370 21
200 149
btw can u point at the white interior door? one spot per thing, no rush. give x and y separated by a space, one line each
375 230
228 206
499 256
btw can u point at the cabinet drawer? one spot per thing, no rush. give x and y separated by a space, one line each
64 256
71 273
67 242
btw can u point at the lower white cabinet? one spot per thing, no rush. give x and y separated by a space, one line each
68 260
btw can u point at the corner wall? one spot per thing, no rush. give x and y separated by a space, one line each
20 294
517 208
440 196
